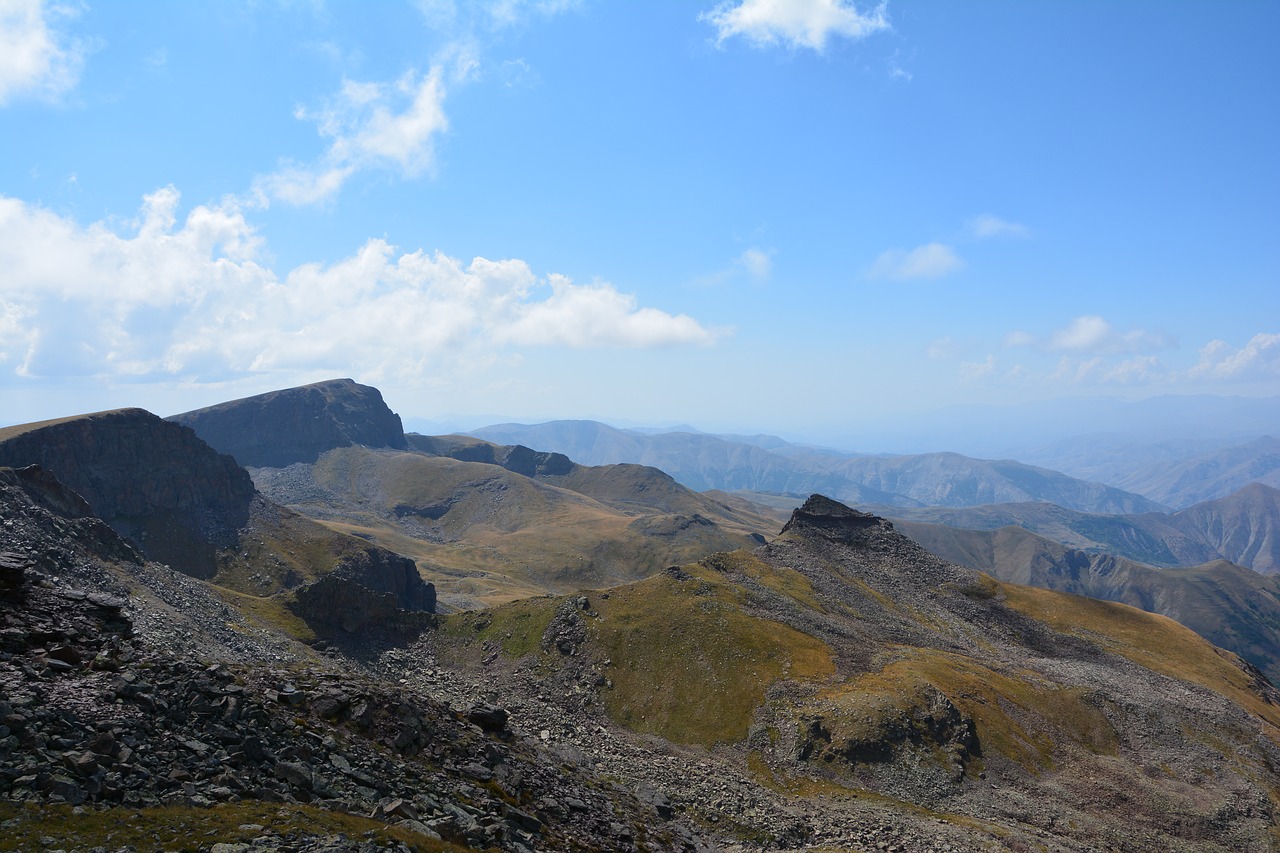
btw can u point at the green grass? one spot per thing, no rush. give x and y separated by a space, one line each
517 627
182 828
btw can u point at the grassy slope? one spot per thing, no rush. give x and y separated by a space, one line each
484 535
1233 607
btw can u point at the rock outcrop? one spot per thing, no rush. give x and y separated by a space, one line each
155 482
279 428
370 587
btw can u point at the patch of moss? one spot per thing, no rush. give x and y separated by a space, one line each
689 664
27 827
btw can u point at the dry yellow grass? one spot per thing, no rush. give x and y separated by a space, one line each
688 664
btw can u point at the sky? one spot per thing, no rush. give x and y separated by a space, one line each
794 216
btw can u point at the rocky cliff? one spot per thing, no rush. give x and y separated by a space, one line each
367 588
297 424
155 482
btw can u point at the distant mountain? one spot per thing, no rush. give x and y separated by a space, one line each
950 479
297 424
1230 606
703 462
1242 528
1206 476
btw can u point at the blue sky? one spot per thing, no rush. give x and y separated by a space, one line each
783 215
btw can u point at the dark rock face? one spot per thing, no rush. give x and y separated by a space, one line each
280 428
155 482
515 458
368 588
821 513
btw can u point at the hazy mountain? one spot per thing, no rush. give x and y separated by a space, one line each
703 462
950 479
1230 606
1240 528
1206 476
297 424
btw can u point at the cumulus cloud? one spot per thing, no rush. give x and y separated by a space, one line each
192 298
368 126
1090 334
987 226
932 260
794 23
35 58
1257 359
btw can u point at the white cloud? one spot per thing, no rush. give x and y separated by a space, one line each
757 262
1259 358
1019 339
932 260
191 298
971 370
35 58
942 349
1143 369
369 126
987 226
507 13
1091 333
794 23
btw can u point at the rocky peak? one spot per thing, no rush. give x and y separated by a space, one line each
279 428
832 518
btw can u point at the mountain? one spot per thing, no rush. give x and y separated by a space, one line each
703 462
835 688
1230 606
178 501
147 710
950 479
1207 476
483 533
845 668
1243 528
297 424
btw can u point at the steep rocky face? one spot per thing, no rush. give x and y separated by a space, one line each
367 588
155 482
280 428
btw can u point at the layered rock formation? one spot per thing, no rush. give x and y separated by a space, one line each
155 482
280 428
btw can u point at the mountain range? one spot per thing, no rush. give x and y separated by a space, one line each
1243 527
652 667
703 461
